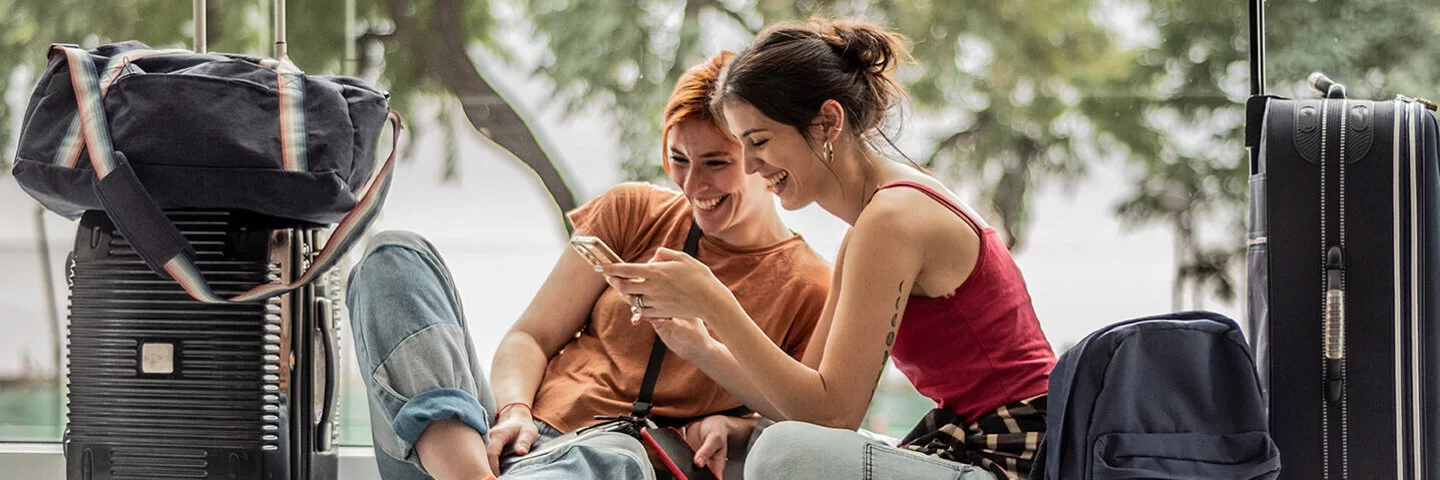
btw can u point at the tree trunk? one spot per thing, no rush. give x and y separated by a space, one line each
1177 290
689 38
440 48
47 276
1011 193
1197 267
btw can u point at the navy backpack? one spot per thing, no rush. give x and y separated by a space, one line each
1165 397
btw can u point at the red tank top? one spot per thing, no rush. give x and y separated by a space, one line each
981 346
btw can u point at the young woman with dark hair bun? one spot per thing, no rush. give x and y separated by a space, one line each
920 278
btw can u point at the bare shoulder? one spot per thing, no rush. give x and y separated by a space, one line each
897 214
909 220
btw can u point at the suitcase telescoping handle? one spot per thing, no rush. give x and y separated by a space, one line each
281 49
1255 106
201 35
1257 47
1325 86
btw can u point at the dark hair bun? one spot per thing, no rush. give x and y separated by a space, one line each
863 46
793 68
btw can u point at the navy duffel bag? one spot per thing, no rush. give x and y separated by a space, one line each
134 131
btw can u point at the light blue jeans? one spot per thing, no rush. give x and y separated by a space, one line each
420 366
800 451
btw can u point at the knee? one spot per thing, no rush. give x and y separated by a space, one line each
394 246
399 287
403 238
393 259
781 447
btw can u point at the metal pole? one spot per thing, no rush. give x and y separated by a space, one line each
280 49
47 276
351 60
199 21
1257 47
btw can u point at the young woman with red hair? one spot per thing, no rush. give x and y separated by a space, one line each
574 352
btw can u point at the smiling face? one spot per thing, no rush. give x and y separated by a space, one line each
705 164
789 164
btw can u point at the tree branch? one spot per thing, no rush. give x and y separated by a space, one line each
1011 192
952 141
719 6
486 110
984 120
689 37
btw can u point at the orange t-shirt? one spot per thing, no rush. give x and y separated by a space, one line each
781 286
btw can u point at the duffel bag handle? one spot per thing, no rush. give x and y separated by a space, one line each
155 237
289 85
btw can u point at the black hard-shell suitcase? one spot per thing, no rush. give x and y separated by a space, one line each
163 386
1344 285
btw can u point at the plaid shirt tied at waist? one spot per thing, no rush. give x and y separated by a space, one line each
1003 442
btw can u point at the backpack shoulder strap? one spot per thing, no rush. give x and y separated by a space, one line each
644 403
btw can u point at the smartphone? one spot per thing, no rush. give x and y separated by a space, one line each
675 453
594 250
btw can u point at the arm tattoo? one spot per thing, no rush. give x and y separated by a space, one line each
890 338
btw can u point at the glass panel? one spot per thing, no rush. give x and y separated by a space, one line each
1107 135
31 402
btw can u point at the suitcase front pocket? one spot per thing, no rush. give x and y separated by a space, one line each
1189 456
1258 278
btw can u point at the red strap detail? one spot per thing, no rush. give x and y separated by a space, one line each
501 411
939 198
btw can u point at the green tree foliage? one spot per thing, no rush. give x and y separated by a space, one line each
624 57
1180 109
1009 81
1030 92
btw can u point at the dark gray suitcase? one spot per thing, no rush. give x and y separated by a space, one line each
1344 286
164 386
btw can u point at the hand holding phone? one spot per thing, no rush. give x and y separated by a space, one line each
594 250
675 454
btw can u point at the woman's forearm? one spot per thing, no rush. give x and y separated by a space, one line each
795 391
721 366
518 367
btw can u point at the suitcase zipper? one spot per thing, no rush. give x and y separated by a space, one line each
1415 387
1338 376
1324 240
1401 107
1332 283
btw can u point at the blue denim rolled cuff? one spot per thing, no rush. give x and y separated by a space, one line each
438 404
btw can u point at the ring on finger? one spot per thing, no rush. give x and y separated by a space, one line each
639 302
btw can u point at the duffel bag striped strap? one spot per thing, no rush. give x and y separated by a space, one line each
155 238
289 81
68 155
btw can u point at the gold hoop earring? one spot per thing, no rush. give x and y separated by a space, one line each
829 152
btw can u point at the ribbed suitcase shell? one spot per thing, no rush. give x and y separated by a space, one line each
229 403
1388 426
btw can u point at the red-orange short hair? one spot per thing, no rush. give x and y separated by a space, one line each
691 99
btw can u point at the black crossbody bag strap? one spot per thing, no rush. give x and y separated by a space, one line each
644 403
